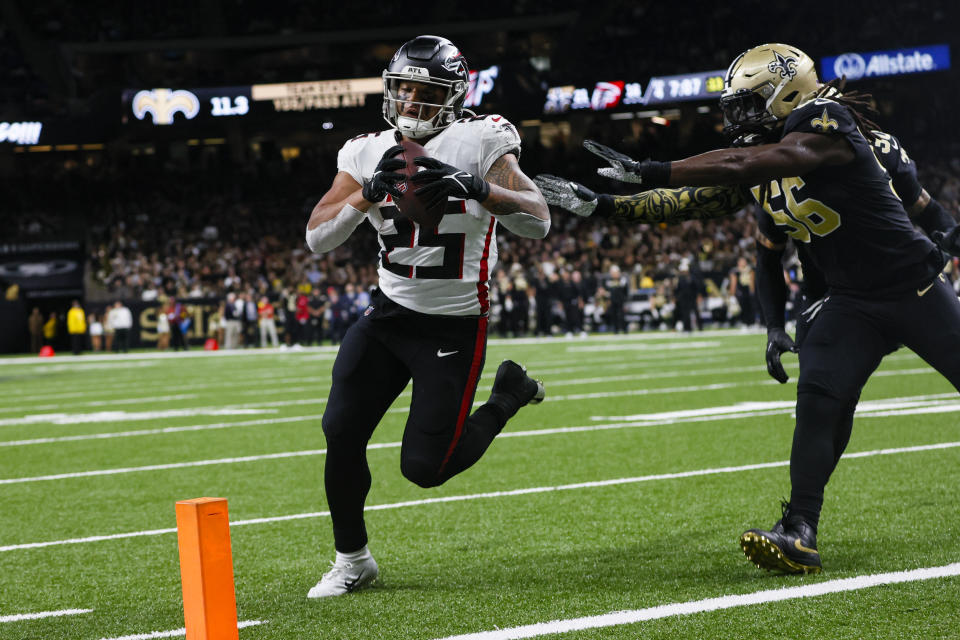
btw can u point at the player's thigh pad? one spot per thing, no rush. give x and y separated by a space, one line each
841 349
367 378
446 371
930 325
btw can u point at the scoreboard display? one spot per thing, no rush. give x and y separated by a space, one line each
163 107
684 87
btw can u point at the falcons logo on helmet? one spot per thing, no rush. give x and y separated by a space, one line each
456 63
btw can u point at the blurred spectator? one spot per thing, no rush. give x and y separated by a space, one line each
617 289
122 325
317 308
109 333
77 327
268 325
163 326
50 329
232 324
35 325
302 317
689 295
96 332
743 288
178 318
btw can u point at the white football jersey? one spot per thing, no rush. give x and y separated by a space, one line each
442 270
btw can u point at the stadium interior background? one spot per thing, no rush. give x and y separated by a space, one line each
217 201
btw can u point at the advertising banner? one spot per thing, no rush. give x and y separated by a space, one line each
43 269
886 63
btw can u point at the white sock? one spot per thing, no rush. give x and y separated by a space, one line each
360 554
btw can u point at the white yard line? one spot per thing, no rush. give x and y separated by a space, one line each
17 617
74 417
175 633
120 416
159 431
492 494
83 388
618 618
746 410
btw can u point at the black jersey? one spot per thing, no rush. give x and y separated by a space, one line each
902 170
903 173
848 219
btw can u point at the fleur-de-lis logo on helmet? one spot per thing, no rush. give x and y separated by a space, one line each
786 66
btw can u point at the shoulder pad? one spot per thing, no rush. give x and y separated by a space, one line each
820 115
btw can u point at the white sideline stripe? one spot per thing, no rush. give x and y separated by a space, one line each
17 617
325 352
493 494
698 344
618 618
260 383
707 414
117 416
178 632
160 431
98 403
31 419
540 366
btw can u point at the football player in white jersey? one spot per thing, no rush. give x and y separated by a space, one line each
427 321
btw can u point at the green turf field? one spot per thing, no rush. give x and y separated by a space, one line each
625 490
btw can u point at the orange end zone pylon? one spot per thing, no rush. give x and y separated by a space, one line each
206 569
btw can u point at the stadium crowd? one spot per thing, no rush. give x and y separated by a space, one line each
227 230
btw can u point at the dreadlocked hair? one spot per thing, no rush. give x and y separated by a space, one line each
860 105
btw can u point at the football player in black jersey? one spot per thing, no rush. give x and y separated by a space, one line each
804 152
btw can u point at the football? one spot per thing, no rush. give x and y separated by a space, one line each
409 205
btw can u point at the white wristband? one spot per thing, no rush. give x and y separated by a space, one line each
329 235
525 224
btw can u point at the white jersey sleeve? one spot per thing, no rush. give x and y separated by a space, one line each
497 138
359 156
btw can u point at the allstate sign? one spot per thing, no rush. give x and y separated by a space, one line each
886 63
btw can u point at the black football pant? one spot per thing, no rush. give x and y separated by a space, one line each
840 351
380 354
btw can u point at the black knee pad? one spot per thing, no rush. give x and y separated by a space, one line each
421 472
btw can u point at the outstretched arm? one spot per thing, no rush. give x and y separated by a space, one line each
672 206
665 205
796 155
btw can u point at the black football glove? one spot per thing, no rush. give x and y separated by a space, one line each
778 342
649 173
385 178
439 180
950 241
567 194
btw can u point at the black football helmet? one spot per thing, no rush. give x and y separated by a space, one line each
429 60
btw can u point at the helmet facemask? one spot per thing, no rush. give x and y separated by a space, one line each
420 126
746 118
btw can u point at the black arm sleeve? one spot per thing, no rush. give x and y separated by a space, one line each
934 218
771 289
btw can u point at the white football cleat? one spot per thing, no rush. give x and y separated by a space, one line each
345 576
